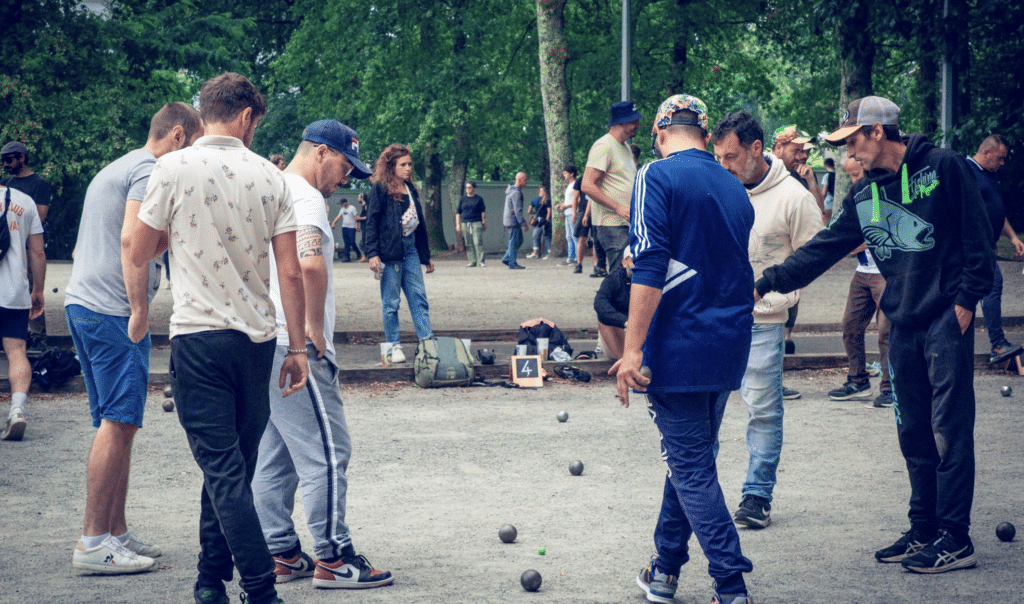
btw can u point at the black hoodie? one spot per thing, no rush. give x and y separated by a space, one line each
926 227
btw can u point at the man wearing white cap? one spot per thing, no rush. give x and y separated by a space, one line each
921 214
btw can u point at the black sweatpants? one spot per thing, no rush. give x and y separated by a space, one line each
932 371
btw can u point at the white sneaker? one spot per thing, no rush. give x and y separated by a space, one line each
110 558
397 356
546 256
140 547
482 263
532 254
14 429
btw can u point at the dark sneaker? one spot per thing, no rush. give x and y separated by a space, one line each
789 394
910 543
790 347
658 586
882 401
851 391
578 269
211 595
1003 352
355 573
944 554
731 599
754 512
516 266
599 272
297 567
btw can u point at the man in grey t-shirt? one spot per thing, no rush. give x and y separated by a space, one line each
107 307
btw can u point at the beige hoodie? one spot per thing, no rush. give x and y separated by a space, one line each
786 216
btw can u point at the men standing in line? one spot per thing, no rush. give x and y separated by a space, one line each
22 178
224 208
608 182
785 217
925 223
106 304
20 302
862 302
689 227
986 162
471 221
569 175
515 221
306 442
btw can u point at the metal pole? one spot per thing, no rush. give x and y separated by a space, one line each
627 55
948 83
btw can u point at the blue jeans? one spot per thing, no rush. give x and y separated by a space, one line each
692 502
405 276
570 240
761 390
349 236
515 241
991 307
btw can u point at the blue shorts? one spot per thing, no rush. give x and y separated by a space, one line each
115 369
14 323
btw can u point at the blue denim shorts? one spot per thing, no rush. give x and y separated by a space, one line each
115 369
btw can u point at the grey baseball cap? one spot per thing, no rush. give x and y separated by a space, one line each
867 111
14 147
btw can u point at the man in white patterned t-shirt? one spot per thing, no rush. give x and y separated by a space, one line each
223 208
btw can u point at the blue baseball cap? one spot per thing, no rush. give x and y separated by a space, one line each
341 138
623 112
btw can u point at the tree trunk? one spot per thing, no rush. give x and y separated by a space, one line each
925 32
856 60
456 179
431 198
554 56
680 48
957 52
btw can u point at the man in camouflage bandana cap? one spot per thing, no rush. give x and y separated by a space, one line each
788 145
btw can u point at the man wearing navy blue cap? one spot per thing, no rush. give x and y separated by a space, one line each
306 442
608 180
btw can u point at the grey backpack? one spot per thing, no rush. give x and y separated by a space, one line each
443 362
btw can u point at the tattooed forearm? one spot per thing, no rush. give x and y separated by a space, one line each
309 242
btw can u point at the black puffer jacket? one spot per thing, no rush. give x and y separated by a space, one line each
383 226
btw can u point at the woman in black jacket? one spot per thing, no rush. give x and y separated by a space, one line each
396 244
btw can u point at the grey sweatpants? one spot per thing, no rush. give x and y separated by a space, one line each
306 444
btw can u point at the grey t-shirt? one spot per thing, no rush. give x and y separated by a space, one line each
97 281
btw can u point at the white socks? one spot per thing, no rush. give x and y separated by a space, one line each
18 400
91 542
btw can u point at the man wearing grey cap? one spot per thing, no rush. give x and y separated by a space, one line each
921 214
608 181
22 178
306 442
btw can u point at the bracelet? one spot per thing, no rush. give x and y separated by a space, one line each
296 351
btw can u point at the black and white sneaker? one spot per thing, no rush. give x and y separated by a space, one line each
910 543
754 512
789 394
851 391
944 554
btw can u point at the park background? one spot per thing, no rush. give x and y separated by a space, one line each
480 89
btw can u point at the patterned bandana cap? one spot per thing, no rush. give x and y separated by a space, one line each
680 102
789 134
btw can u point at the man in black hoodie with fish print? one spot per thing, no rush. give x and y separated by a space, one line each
921 214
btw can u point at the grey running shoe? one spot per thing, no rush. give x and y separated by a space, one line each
851 391
882 401
658 586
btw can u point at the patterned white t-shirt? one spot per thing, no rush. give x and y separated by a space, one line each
222 204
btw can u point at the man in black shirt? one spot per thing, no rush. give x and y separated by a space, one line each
471 221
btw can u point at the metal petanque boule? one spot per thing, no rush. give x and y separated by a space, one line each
1006 390
168 405
645 371
530 580
576 468
563 416
1006 531
507 533
168 391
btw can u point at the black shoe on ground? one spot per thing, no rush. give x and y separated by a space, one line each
944 554
211 595
1004 352
516 266
851 391
790 347
788 394
599 272
505 262
882 401
754 512
578 269
910 543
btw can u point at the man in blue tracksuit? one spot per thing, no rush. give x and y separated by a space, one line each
921 214
690 222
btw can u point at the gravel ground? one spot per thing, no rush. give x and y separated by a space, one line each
434 474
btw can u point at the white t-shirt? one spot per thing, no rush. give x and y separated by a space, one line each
222 204
22 220
568 199
308 205
348 215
